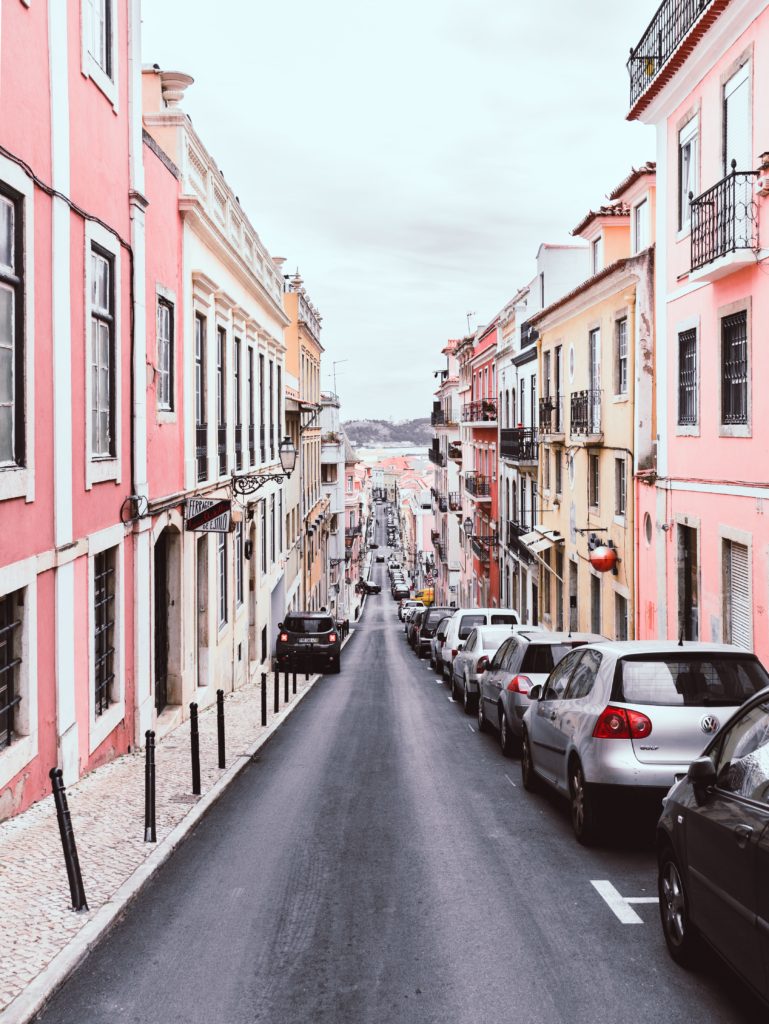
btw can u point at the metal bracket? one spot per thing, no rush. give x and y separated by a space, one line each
251 483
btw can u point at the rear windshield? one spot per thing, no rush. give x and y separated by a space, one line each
698 681
434 616
544 657
467 624
503 619
296 625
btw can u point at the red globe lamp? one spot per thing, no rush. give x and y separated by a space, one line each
603 558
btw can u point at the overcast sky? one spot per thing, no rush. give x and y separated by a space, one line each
408 156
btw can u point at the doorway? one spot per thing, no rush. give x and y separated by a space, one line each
202 609
573 592
161 621
688 596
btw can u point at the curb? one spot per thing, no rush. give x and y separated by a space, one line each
29 1003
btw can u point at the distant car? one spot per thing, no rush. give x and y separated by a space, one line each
463 621
438 639
624 719
370 587
308 640
526 658
405 605
472 660
380 558
373 546
713 849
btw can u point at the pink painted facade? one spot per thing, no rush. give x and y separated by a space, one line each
703 533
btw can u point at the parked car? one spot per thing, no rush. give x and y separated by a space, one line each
463 621
405 605
438 638
526 658
380 558
426 631
308 640
472 660
713 850
401 591
620 719
412 624
370 587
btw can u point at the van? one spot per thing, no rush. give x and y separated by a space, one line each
462 623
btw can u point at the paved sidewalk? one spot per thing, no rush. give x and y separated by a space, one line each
107 810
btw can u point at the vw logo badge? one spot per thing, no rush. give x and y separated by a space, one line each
709 724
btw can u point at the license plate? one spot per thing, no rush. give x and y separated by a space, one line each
306 640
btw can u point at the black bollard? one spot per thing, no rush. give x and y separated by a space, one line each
71 862
195 748
220 726
150 834
276 694
264 698
306 677
285 687
293 685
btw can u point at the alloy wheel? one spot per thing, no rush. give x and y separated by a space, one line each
577 798
673 905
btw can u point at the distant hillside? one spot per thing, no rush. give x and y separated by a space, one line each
383 432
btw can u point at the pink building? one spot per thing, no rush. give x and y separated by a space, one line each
703 532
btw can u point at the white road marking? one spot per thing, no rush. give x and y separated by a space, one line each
439 681
470 727
621 904
510 781
451 700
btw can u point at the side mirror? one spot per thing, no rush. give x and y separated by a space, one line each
460 647
280 625
702 775
483 664
535 692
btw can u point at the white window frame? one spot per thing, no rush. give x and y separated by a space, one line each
19 481
99 468
222 582
238 545
100 726
596 254
167 413
641 212
619 517
89 66
23 576
690 133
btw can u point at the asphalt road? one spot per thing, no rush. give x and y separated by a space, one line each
382 863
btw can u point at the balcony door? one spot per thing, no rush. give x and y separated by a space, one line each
594 370
737 147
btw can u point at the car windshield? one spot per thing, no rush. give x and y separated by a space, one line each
694 681
294 624
467 623
544 657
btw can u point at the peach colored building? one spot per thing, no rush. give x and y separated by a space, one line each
703 530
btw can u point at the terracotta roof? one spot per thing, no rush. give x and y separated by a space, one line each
650 167
613 210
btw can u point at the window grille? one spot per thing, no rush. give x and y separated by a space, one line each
10 697
104 629
11 333
687 377
734 368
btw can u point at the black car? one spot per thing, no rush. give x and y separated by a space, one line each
427 628
713 848
308 640
370 587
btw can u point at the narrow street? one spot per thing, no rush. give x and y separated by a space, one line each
381 862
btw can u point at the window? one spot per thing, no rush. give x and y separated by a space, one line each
687 377
280 402
542 291
251 406
620 487
596 251
262 438
238 406
641 225
743 759
239 563
559 591
736 122
593 481
272 411
734 368
688 177
558 470
272 529
546 582
263 523
102 355
555 687
221 573
620 342
99 30
620 617
533 401
11 332
104 629
583 679
738 612
546 469
11 610
221 398
165 392
201 427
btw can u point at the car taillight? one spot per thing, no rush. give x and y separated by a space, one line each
481 664
332 638
283 638
519 684
454 653
622 724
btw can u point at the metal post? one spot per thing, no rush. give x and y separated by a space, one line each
264 698
276 694
220 726
293 685
71 862
285 687
195 748
150 834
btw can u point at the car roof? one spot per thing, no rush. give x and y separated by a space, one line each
309 615
622 648
543 636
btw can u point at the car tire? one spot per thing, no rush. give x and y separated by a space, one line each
468 702
336 666
681 937
483 725
454 690
584 806
529 777
508 741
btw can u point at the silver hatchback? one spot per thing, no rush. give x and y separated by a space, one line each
617 717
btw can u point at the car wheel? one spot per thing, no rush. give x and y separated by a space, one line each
454 690
467 699
583 806
509 743
483 725
680 935
529 777
336 666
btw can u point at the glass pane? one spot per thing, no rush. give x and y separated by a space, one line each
6 375
104 432
100 288
6 233
6 433
7 304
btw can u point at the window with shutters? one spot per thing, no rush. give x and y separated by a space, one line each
239 563
595 604
688 170
221 567
620 617
738 618
734 369
18 669
620 357
593 481
620 487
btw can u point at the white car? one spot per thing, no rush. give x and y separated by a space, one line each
463 622
405 606
472 661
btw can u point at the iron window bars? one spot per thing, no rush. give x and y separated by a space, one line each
104 629
687 377
734 368
9 663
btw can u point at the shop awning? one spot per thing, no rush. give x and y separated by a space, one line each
540 539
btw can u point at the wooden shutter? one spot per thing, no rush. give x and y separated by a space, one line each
738 608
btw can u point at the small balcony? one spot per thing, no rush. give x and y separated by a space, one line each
519 445
455 452
440 551
482 546
455 501
515 531
478 486
262 444
551 414
586 413
201 450
664 34
724 235
480 413
436 456
442 418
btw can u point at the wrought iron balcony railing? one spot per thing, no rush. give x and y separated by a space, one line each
671 23
519 444
455 452
442 418
515 529
455 501
724 218
436 456
440 551
482 545
478 485
586 412
551 414
482 411
201 449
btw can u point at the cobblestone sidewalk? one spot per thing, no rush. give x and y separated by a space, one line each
107 809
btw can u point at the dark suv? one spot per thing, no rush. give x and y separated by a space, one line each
308 640
427 627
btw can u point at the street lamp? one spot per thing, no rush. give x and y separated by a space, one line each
250 482
468 528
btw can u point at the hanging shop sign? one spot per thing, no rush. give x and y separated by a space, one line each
208 515
603 558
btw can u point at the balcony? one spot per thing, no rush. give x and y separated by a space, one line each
586 413
551 414
262 444
666 31
482 545
519 445
435 455
238 446
515 531
479 486
201 449
529 334
455 501
440 551
455 452
442 418
724 235
482 412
